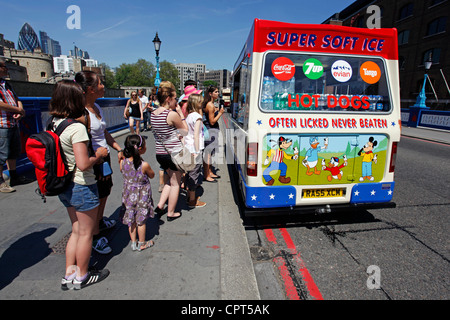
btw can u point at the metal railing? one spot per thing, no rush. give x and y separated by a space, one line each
37 114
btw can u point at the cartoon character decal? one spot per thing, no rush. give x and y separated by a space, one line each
278 155
368 157
312 155
300 159
334 168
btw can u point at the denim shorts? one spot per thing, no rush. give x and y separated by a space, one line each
9 144
82 198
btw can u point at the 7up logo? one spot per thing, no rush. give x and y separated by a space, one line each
313 69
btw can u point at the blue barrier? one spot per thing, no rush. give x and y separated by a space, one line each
419 117
37 114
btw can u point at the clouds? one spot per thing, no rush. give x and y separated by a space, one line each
101 32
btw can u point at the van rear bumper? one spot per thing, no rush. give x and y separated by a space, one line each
319 209
283 199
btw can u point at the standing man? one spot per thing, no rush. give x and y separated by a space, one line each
145 106
11 111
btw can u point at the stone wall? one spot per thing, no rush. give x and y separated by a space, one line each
32 89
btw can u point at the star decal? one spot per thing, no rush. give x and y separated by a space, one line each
393 123
390 192
254 197
372 193
272 196
356 193
259 122
291 196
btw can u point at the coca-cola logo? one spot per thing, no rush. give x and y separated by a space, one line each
283 69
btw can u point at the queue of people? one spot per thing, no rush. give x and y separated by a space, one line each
87 144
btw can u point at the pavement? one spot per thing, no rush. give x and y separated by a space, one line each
204 255
435 135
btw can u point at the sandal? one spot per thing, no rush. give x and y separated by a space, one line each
145 245
134 245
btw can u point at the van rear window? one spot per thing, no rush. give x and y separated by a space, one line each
324 83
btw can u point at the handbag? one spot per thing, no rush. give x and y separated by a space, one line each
206 133
184 160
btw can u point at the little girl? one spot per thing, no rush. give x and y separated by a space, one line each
194 141
137 191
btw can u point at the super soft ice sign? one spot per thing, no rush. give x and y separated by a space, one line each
325 38
336 42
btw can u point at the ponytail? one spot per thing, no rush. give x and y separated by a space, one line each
132 144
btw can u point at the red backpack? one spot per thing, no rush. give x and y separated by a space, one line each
45 153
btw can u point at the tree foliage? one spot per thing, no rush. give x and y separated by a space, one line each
140 74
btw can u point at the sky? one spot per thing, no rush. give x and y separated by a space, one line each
114 32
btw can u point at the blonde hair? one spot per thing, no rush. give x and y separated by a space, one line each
194 103
167 84
131 96
164 93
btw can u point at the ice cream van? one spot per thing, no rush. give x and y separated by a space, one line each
315 117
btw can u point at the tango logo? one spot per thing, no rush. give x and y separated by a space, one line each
370 72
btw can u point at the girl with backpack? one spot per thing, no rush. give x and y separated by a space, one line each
81 197
137 191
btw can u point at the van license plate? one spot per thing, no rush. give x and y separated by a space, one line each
323 193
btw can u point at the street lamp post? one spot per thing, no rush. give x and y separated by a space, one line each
420 102
157 44
415 111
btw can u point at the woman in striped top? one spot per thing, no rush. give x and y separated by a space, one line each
166 120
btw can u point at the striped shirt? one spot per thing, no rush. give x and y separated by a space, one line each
164 133
7 96
278 155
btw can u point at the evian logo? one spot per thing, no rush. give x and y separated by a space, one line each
341 71
283 69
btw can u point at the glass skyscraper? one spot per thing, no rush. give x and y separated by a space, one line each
49 45
28 40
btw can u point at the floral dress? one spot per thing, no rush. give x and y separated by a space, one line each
136 196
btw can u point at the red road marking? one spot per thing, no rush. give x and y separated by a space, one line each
291 291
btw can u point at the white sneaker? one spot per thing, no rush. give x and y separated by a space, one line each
5 188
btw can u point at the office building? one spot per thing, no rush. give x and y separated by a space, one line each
189 71
423 33
28 40
49 45
220 77
78 53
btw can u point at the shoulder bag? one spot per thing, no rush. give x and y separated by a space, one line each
184 160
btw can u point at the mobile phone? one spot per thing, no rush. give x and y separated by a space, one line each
106 169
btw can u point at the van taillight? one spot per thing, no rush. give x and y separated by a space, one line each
252 159
393 157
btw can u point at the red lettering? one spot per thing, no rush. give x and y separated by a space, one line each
272 122
356 103
331 104
366 103
302 101
296 100
341 102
